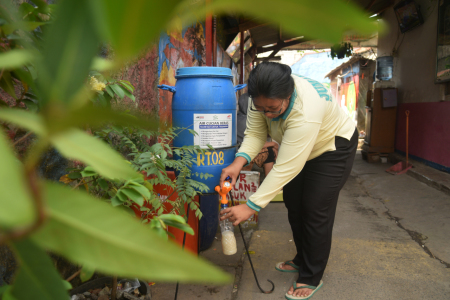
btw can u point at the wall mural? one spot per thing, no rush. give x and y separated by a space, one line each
182 47
349 90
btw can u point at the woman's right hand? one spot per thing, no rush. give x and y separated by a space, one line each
233 170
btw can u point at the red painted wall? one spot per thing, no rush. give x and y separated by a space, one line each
143 75
429 131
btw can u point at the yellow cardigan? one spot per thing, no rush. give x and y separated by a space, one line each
304 131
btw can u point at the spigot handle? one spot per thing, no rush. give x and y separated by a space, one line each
226 188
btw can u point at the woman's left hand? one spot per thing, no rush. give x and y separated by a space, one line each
237 214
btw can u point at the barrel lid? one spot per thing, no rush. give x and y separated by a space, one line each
204 72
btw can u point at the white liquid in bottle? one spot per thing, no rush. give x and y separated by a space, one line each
228 243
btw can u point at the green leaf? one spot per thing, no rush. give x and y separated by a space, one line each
37 278
67 285
127 85
76 144
24 119
161 232
102 64
26 8
42 6
318 19
184 227
194 133
70 44
103 183
132 25
74 175
94 234
7 84
128 94
4 288
117 90
140 189
121 196
16 58
109 91
115 201
88 172
16 204
97 117
86 273
134 196
31 105
173 218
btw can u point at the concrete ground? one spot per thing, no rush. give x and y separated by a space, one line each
391 240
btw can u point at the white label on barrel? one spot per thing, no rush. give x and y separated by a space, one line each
213 129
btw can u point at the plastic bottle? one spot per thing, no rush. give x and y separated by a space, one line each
226 227
228 238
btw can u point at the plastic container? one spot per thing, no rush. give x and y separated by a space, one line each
204 99
192 241
385 67
228 239
207 229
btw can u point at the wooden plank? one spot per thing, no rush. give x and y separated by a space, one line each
280 45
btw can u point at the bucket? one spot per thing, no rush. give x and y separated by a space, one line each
385 67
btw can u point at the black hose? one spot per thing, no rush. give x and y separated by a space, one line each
248 254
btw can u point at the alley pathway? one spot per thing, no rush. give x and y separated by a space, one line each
391 241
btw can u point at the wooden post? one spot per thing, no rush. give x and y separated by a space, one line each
214 41
241 79
208 37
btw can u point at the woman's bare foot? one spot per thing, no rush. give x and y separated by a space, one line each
300 292
284 266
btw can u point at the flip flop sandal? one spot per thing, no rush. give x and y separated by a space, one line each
289 263
314 288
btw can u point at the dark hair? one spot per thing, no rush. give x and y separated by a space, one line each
271 80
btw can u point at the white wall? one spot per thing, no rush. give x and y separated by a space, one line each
415 60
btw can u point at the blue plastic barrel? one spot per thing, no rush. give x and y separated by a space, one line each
385 67
208 225
204 99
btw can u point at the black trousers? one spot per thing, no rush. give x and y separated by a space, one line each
311 199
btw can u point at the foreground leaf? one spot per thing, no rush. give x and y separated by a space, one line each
98 236
70 45
132 25
37 278
4 288
24 119
76 144
16 206
97 117
86 274
316 19
15 58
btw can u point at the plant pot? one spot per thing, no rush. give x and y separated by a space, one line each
100 283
